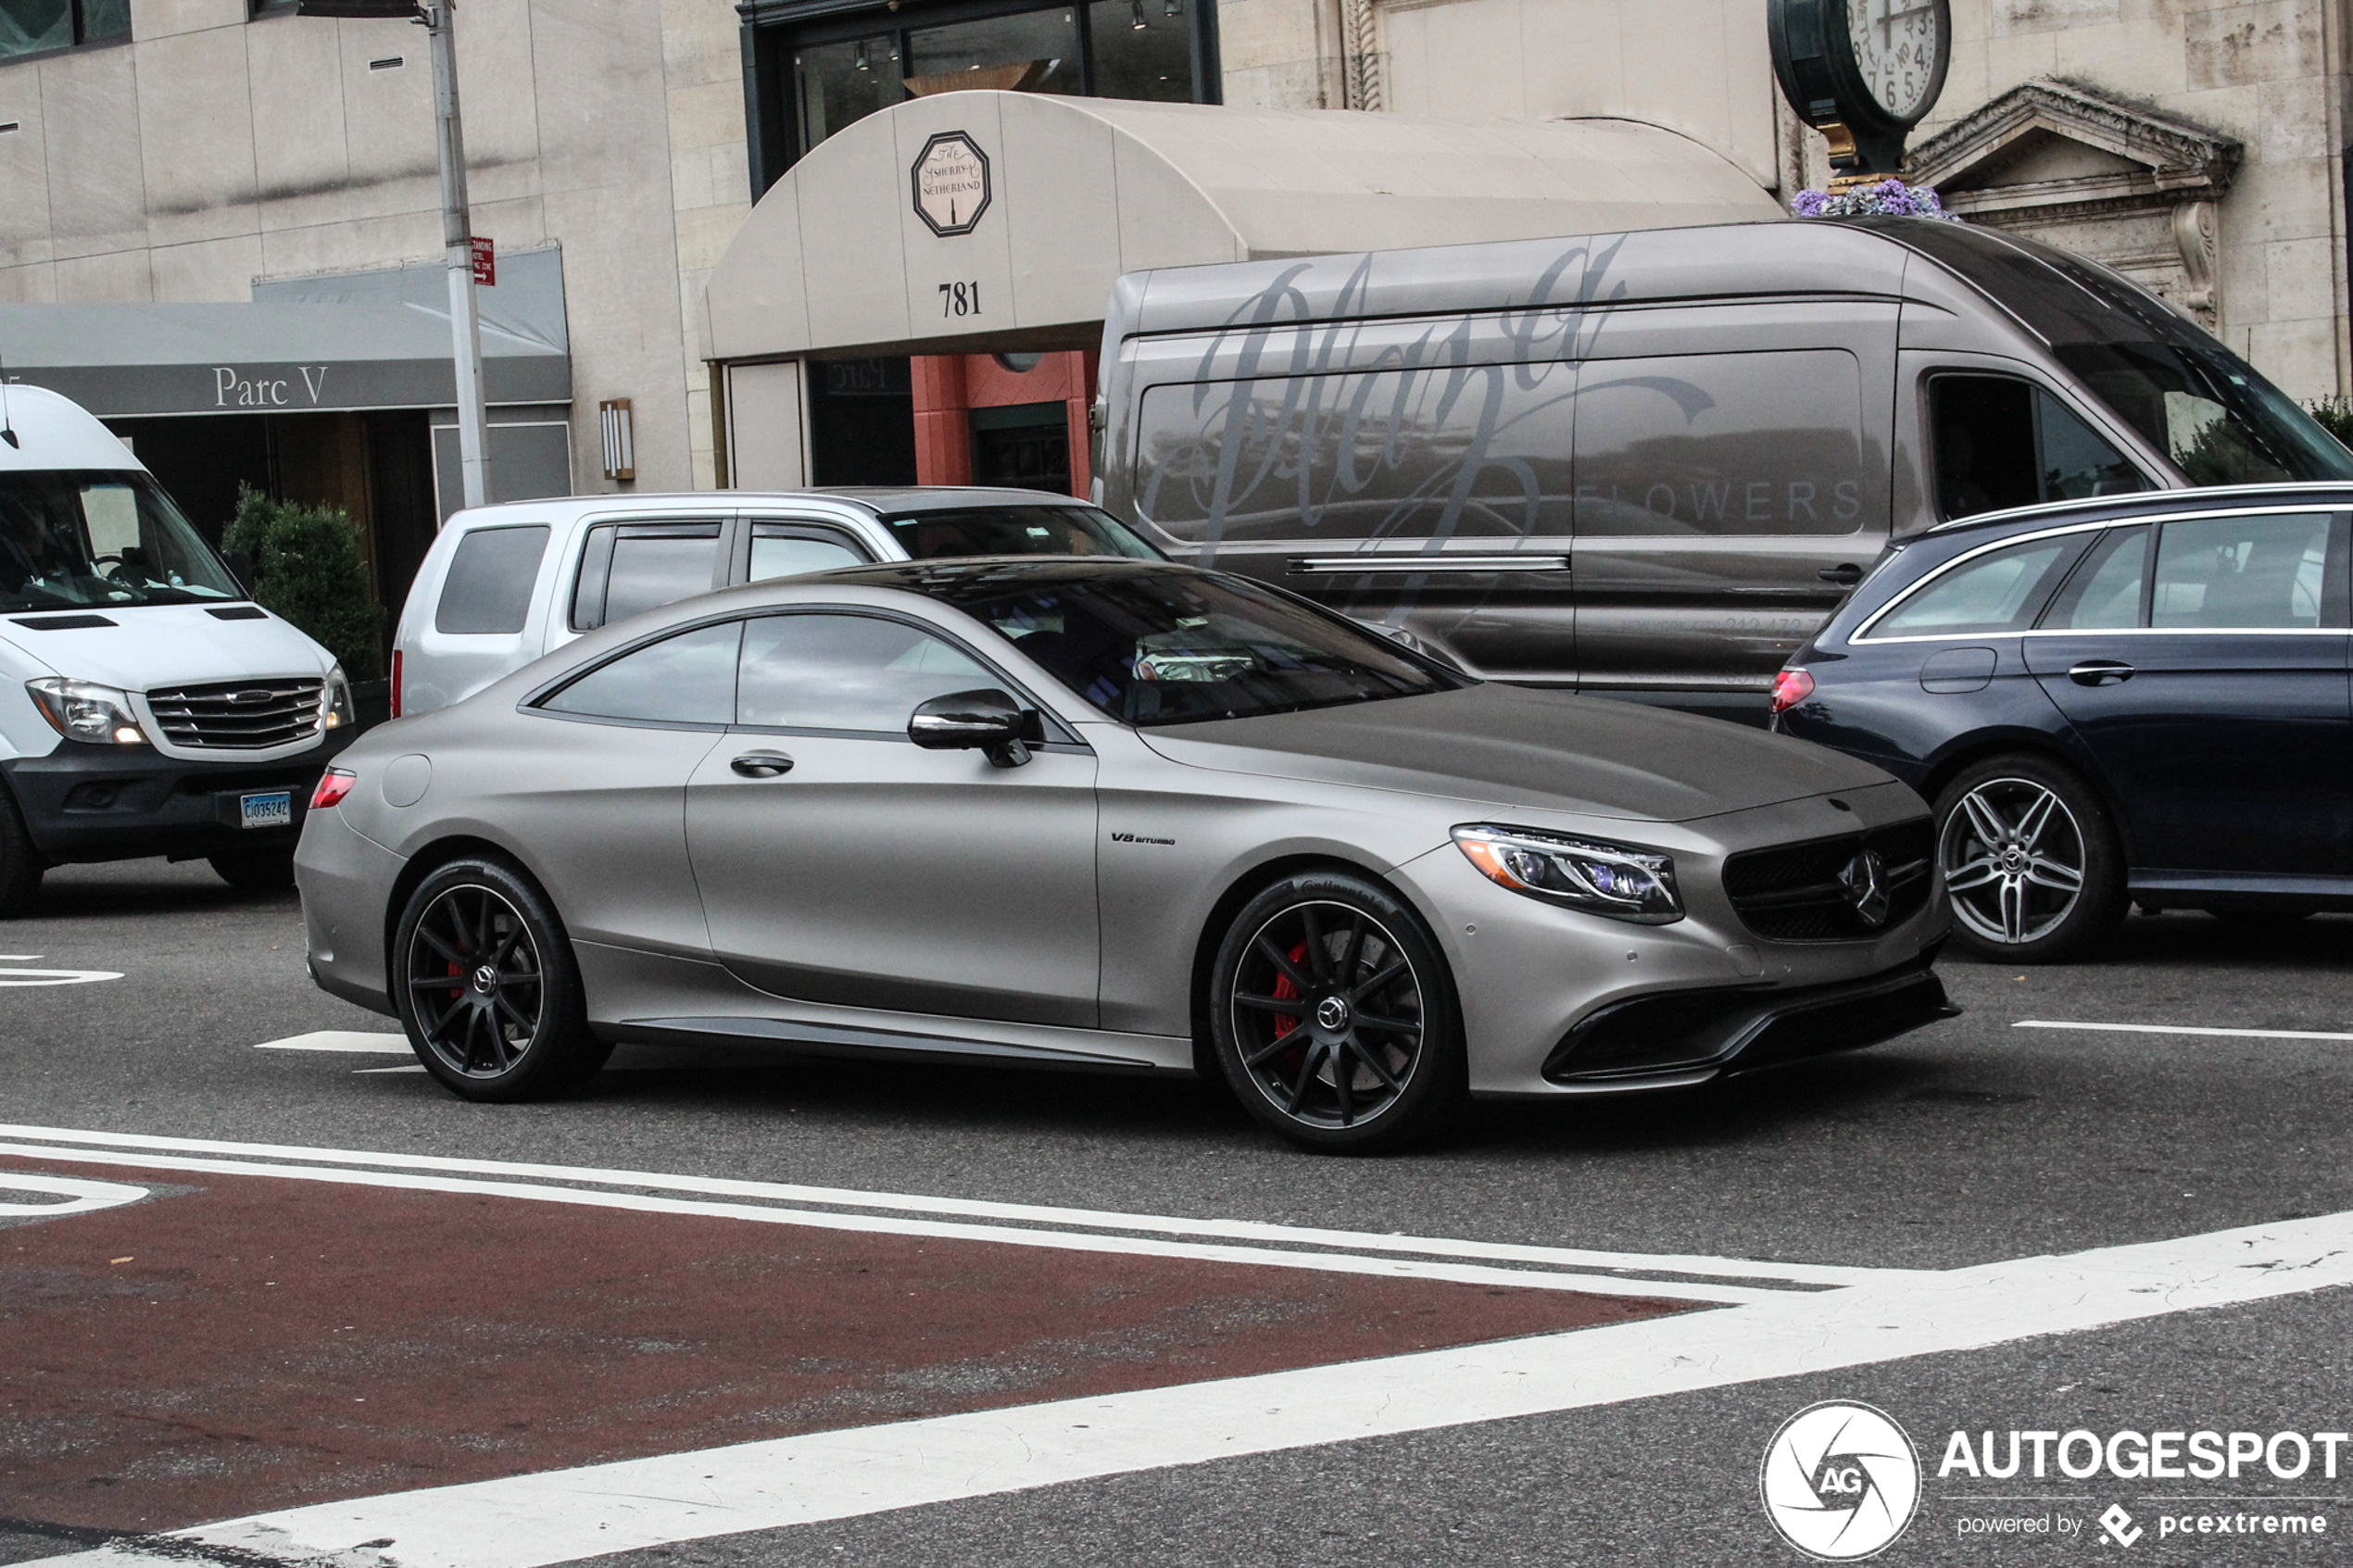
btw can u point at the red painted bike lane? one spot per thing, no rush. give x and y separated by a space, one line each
237 1343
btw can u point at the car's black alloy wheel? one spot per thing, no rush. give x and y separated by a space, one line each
1334 1015
20 863
488 988
2029 862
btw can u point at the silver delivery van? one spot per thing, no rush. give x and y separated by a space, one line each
1650 464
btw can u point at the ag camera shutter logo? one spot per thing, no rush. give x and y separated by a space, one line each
1840 1481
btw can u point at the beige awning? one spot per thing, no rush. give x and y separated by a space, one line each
836 258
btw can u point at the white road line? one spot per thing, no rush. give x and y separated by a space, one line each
80 1197
358 1042
1696 1292
1094 1219
2185 1029
11 977
363 1072
558 1517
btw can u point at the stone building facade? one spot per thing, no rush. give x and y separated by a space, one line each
2198 143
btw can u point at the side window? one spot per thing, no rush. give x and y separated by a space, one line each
488 588
1723 444
787 550
687 680
1997 592
2002 442
2103 594
632 567
2255 572
1450 451
855 672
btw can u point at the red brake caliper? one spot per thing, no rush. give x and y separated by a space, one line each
1285 991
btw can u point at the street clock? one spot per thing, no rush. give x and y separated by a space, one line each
1863 72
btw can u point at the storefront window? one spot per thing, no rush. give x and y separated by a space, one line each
1143 49
815 69
1027 52
32 27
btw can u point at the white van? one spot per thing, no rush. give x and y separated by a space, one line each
503 584
147 707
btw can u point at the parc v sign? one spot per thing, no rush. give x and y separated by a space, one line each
951 184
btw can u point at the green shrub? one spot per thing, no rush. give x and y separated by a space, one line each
309 567
2336 416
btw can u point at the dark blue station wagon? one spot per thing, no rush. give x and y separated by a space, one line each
2141 700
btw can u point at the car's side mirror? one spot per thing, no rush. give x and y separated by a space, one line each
240 567
987 721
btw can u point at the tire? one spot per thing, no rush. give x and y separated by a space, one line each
256 870
507 1021
20 863
2030 862
1292 991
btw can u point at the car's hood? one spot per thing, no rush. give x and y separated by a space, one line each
163 646
1516 747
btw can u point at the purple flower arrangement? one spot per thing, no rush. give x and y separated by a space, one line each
1889 198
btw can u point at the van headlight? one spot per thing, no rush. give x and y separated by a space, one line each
1602 879
334 701
80 710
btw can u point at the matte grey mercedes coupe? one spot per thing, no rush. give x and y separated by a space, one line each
1113 815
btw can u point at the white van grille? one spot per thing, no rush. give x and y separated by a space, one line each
242 715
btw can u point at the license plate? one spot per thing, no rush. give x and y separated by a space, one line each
272 811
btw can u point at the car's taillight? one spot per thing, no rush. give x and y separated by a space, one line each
1793 688
333 784
395 683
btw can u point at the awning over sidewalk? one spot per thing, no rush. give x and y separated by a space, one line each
375 339
999 220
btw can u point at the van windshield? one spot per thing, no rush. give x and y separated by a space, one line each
2208 410
76 537
2201 405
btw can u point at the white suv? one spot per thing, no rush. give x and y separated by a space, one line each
503 584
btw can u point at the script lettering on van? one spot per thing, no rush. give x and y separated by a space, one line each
234 388
1518 423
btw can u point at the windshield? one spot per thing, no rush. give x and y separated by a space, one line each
1177 646
1017 531
76 537
2208 410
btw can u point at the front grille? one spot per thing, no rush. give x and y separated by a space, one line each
238 715
1810 893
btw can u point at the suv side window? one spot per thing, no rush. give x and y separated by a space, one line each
787 550
2250 573
491 575
1997 592
629 567
686 680
2002 442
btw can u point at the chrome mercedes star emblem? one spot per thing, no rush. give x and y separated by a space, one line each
1865 879
485 980
1331 1015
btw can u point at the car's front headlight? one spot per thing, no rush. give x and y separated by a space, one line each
334 701
1602 879
80 710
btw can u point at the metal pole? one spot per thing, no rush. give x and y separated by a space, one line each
456 234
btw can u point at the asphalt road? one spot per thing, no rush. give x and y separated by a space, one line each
1967 1144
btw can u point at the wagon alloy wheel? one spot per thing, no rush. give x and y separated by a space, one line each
1327 1011
2013 860
476 981
2031 861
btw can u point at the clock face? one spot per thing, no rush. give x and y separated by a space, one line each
1897 45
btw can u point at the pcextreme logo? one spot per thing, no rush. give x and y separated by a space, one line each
1840 1481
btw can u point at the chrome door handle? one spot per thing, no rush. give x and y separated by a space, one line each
2101 672
761 764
